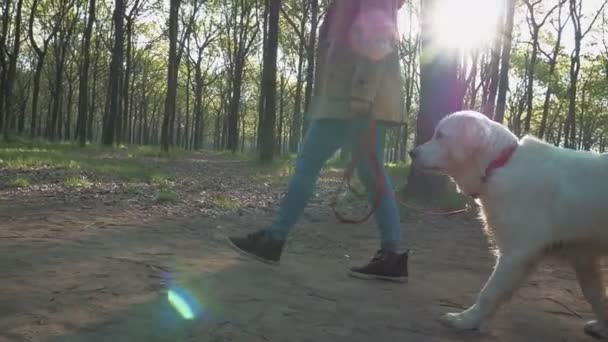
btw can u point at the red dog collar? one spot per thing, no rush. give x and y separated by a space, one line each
499 162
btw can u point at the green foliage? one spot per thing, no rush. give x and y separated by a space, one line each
223 201
166 196
21 182
127 164
79 182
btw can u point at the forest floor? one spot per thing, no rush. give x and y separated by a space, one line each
116 245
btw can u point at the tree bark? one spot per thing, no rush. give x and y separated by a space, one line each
440 95
503 83
310 62
12 67
170 100
83 90
112 114
552 65
269 79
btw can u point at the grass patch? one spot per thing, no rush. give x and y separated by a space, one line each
134 188
20 182
223 202
166 196
78 182
159 180
398 174
126 162
277 170
231 155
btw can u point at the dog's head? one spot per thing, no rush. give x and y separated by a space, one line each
463 145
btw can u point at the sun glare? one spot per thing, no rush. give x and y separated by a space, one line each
465 24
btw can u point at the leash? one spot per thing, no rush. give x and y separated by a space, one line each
366 147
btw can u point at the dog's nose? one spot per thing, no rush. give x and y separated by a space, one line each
413 153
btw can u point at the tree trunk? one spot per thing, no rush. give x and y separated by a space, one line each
279 140
186 141
530 81
269 80
310 62
198 104
3 62
68 108
83 91
262 98
439 85
490 101
126 81
93 94
35 94
109 130
503 83
549 91
53 131
170 100
12 68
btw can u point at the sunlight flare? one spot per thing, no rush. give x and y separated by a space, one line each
465 24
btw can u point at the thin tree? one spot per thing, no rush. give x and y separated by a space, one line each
310 61
112 113
170 99
439 83
576 14
534 26
552 61
505 64
83 91
6 10
7 88
269 83
489 100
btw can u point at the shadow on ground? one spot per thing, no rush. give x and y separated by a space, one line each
99 279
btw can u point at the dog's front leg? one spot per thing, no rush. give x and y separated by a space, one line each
508 273
589 274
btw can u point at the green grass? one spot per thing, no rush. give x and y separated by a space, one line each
223 202
21 182
159 180
124 163
398 174
275 171
166 196
134 188
78 182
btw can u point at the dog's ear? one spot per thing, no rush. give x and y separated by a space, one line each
474 134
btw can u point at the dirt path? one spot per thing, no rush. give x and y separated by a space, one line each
99 272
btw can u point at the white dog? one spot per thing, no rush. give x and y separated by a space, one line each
537 200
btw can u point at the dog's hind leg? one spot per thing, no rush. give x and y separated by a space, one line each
589 274
509 272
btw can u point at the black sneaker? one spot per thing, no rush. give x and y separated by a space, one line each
259 246
385 265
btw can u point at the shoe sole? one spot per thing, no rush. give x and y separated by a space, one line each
377 277
250 255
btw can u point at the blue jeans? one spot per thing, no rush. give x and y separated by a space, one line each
323 139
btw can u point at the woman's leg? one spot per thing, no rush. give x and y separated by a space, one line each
322 140
387 213
388 263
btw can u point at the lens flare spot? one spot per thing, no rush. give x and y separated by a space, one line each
186 307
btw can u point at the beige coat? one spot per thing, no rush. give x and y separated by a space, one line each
347 83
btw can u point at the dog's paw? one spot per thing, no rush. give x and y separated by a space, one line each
597 329
460 321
